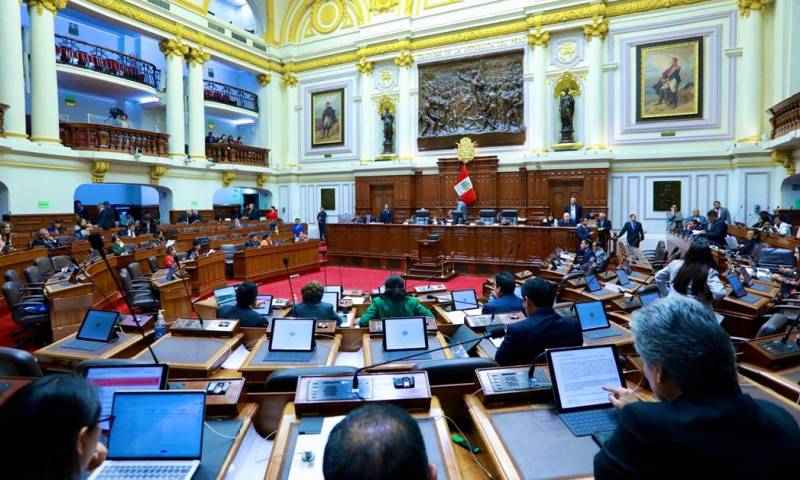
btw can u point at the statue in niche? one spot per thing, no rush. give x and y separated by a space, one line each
566 107
388 131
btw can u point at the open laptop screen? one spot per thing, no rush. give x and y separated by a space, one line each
736 285
578 375
592 315
334 288
332 298
464 299
406 333
266 308
518 291
98 325
225 295
157 425
748 280
649 297
114 378
592 284
292 335
622 275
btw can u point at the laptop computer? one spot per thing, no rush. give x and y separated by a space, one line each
518 291
739 291
646 298
403 336
334 288
464 334
464 299
155 435
266 309
748 281
332 298
97 331
291 340
594 321
110 379
622 278
578 375
594 287
225 296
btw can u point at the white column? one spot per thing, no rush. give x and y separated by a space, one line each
367 112
277 115
174 51
196 99
405 144
264 106
749 83
537 127
295 109
44 83
593 99
12 87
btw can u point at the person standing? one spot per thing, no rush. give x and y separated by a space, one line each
322 221
582 230
674 219
573 208
461 208
105 216
722 213
386 214
633 230
603 229
717 230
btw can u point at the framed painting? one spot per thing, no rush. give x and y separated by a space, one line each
327 118
327 197
666 194
669 82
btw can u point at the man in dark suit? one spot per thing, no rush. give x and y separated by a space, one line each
543 328
586 254
252 241
582 230
322 222
242 310
717 230
566 221
703 426
633 230
722 213
184 217
312 305
603 230
386 214
575 211
128 231
105 216
505 300
254 213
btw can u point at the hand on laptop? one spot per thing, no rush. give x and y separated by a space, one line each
98 458
619 397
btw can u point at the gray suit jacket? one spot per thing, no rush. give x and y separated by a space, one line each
724 215
318 311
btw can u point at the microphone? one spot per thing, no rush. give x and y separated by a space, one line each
491 332
324 269
532 368
86 275
507 257
185 282
737 213
289 277
96 242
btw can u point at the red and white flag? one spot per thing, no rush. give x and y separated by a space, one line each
464 187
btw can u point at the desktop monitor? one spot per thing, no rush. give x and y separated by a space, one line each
110 379
404 333
334 288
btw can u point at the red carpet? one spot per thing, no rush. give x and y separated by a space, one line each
348 277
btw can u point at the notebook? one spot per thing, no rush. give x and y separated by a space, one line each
110 379
403 336
291 340
594 321
97 331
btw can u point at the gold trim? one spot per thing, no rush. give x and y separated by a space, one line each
264 79
382 6
387 102
197 156
746 6
170 47
785 160
656 168
191 6
558 147
750 139
228 177
261 180
197 56
364 66
52 6
567 81
45 139
598 29
289 79
404 60
177 154
466 149
442 3
42 166
98 170
539 38
183 175
156 172
16 134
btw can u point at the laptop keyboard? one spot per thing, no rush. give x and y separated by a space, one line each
749 298
587 422
157 472
88 345
602 333
297 357
397 355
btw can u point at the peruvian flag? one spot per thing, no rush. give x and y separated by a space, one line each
464 187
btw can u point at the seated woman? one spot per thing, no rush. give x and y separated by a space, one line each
312 305
394 302
789 277
696 277
266 241
51 429
57 228
194 252
117 247
169 260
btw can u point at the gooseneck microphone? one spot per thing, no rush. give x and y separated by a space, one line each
289 277
96 242
185 282
532 369
491 332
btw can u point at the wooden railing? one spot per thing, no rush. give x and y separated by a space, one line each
219 92
238 154
90 136
70 51
785 116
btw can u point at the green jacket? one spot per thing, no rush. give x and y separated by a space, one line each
384 308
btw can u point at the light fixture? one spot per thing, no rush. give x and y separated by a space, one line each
243 121
149 99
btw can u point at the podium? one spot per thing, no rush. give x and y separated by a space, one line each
430 263
428 250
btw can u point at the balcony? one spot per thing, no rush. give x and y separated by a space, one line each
785 116
103 60
228 95
107 138
237 154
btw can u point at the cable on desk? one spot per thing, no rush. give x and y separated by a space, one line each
474 457
641 378
218 433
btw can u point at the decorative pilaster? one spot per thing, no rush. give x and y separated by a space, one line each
99 170
196 57
365 68
156 172
594 100
295 108
264 79
228 177
12 87
44 83
785 160
539 41
749 82
405 142
261 180
175 51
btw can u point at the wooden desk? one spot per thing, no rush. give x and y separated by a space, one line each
246 416
782 380
106 291
432 424
206 274
372 346
455 317
18 261
174 299
255 264
256 369
191 357
772 239
56 357
69 303
385 245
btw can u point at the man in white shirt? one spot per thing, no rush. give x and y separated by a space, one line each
784 227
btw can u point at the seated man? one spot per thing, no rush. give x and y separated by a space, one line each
44 239
252 241
128 230
566 221
377 441
505 300
312 305
586 254
543 328
242 310
703 425
297 231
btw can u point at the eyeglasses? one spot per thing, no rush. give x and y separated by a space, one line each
107 419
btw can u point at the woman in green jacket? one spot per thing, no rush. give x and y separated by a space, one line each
394 303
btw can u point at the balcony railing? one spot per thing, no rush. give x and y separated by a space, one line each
785 116
218 92
90 136
238 154
100 59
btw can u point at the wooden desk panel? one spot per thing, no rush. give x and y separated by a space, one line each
174 299
191 357
56 357
255 370
472 246
207 273
255 264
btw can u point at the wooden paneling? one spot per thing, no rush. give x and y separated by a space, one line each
254 264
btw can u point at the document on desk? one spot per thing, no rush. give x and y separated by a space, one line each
301 467
581 373
236 359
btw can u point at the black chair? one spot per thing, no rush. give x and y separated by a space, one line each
286 380
61 261
566 278
657 255
180 256
33 276
136 273
141 296
80 369
153 263
454 370
776 324
18 363
31 290
28 314
45 266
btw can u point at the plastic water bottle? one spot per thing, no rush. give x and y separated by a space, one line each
161 325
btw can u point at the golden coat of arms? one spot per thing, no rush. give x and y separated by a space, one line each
465 150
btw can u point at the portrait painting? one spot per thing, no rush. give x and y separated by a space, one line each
669 80
327 118
666 194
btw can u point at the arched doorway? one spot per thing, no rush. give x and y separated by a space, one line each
790 193
227 200
133 199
